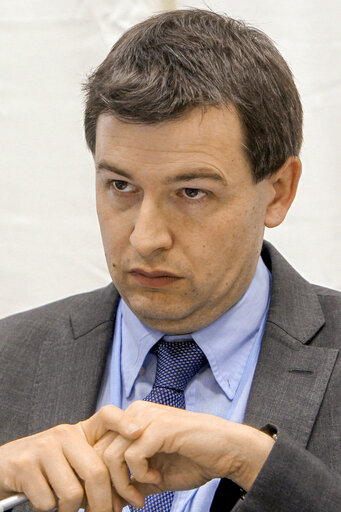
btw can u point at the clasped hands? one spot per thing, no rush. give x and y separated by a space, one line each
164 448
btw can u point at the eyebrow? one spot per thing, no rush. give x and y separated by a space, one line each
107 167
185 176
197 174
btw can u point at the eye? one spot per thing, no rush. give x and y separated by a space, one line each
122 186
193 193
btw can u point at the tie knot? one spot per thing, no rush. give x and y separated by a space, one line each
177 363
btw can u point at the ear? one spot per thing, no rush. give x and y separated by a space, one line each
283 184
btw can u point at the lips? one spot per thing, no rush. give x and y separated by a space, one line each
155 279
155 273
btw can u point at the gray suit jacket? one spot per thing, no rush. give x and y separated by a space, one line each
52 360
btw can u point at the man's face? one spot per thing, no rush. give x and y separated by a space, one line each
181 219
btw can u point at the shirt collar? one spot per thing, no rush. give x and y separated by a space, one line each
137 340
227 342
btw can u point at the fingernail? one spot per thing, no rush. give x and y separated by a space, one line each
132 428
137 504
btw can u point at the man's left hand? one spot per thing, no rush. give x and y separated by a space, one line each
181 450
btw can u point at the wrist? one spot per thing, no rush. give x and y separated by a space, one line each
254 448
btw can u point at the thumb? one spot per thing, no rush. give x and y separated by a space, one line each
102 444
109 418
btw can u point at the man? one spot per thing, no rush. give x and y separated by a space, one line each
195 126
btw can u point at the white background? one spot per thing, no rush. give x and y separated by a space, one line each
50 245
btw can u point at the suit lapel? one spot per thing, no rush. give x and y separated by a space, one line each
72 361
289 384
292 374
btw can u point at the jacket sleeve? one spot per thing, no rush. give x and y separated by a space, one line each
291 480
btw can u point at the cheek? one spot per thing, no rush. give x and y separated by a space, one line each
225 237
112 231
211 244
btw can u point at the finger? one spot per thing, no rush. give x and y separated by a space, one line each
137 455
91 469
147 489
38 491
107 418
119 473
118 502
66 485
103 443
100 448
95 426
141 470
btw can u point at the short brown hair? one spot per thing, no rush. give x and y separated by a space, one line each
178 60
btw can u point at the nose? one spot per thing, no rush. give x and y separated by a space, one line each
151 233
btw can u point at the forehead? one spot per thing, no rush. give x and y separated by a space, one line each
216 133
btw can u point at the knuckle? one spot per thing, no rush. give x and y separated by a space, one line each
61 430
107 456
132 453
74 495
128 418
105 412
43 442
130 456
42 503
110 457
135 407
99 473
112 460
23 462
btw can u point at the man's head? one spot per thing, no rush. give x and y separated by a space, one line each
195 126
179 60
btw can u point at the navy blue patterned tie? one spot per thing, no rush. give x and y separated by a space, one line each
177 363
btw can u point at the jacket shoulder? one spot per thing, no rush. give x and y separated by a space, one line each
330 301
55 315
322 292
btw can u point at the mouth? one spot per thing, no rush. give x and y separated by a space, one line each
155 279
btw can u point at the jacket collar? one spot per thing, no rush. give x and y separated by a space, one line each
72 358
294 305
93 309
292 372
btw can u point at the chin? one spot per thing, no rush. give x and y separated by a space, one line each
156 309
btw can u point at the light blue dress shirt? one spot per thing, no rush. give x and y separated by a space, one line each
231 345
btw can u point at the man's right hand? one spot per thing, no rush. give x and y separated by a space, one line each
61 467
